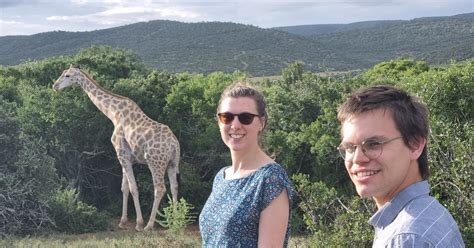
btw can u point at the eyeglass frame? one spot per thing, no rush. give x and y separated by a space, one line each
342 152
218 116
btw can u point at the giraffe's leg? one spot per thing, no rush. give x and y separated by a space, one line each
134 191
125 193
159 190
124 155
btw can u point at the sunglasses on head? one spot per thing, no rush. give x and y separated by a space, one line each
244 118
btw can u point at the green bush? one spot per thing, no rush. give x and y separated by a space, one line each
27 176
332 218
176 216
22 212
74 216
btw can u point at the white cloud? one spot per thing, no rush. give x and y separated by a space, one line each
10 23
120 14
21 28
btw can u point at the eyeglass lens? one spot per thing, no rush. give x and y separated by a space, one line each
371 148
244 118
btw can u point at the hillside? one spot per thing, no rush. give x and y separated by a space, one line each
435 39
217 46
176 46
317 29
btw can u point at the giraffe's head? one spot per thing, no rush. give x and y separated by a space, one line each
68 78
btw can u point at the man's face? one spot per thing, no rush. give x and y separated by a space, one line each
395 169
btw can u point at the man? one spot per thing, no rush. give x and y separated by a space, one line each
384 137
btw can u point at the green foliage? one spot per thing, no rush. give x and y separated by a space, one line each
293 73
395 69
74 216
332 218
27 177
301 131
8 90
108 62
9 132
22 210
316 199
25 186
176 216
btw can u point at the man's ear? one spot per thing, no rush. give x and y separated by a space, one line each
417 147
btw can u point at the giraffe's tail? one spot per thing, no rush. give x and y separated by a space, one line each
178 179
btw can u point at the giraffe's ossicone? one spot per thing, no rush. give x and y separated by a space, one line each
136 139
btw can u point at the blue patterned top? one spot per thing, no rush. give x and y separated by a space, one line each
231 215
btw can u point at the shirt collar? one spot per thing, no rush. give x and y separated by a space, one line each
384 216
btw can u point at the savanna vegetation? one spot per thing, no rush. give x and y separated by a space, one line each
59 172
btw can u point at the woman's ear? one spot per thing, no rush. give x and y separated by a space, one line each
263 122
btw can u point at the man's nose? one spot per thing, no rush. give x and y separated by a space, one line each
359 155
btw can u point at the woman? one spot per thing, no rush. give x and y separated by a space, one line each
249 205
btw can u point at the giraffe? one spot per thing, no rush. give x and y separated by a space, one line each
136 139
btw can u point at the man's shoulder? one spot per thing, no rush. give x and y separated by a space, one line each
422 213
428 219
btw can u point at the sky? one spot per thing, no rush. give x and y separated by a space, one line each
26 17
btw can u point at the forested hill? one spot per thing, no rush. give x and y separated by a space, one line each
177 46
434 39
217 46
317 29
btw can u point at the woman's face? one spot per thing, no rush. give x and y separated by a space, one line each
237 136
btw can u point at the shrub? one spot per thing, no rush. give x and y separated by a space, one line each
27 177
74 216
176 216
21 210
332 218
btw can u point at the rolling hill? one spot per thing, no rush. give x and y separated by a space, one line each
218 46
434 39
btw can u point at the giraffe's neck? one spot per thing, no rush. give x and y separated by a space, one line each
110 104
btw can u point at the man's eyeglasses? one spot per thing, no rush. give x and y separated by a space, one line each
244 118
371 148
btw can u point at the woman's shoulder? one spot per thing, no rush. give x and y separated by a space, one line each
273 168
274 173
220 174
274 180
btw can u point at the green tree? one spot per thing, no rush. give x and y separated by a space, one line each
395 69
27 178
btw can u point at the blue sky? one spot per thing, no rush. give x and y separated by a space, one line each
26 17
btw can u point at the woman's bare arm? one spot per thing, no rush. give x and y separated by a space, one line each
274 222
